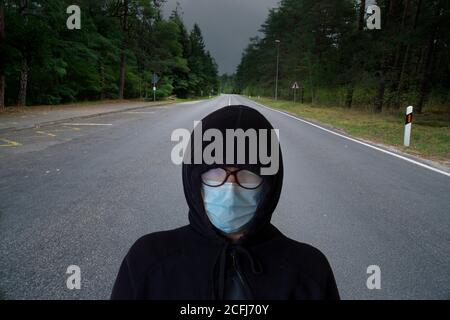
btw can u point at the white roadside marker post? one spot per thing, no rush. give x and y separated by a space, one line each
408 122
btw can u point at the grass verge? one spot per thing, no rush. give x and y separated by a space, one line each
430 136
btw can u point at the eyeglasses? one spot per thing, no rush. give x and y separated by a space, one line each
244 178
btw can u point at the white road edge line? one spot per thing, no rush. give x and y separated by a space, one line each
358 141
87 124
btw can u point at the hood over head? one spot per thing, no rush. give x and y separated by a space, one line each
232 117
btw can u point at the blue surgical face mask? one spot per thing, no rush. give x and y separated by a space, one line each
230 207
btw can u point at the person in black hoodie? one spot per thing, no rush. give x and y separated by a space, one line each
241 257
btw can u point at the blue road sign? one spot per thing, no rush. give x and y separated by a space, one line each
154 78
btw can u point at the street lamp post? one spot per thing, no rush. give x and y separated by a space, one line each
278 61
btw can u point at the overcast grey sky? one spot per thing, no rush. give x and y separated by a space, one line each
227 25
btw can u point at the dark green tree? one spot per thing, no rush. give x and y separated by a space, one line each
120 44
327 48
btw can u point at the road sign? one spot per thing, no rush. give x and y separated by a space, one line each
154 78
154 81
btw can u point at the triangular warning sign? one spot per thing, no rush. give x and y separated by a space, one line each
295 85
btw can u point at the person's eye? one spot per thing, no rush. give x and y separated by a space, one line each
248 179
214 176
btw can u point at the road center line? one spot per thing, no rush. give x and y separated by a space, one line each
420 164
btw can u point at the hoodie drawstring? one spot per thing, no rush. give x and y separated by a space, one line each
254 263
221 259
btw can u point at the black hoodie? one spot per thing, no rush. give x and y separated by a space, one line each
190 262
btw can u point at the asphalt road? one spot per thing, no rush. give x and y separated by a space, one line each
76 194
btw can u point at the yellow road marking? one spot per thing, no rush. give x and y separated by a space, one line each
9 143
48 134
71 128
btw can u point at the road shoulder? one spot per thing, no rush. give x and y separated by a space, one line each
436 165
